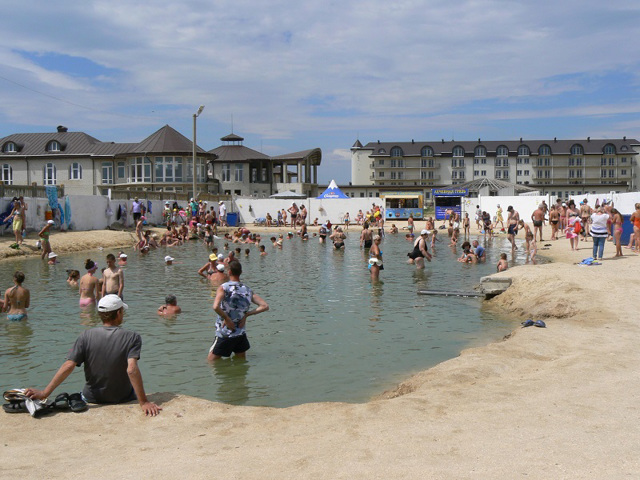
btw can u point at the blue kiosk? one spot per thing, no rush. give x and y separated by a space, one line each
448 199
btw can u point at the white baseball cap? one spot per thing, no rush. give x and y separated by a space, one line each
425 232
168 259
220 267
123 255
220 256
51 222
110 303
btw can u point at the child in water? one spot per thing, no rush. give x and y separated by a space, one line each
502 263
74 276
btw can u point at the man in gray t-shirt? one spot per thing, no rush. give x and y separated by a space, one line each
110 356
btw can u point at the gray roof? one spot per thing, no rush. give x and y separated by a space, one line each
492 184
558 147
237 153
232 137
35 144
314 154
166 140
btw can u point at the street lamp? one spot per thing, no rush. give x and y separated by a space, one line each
195 115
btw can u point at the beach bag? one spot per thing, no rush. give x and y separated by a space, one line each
577 228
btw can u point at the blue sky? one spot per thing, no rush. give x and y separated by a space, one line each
300 75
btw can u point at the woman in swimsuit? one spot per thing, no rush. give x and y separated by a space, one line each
209 268
375 258
89 290
616 227
18 219
635 220
17 299
44 238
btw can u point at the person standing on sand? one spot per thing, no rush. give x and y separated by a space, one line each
232 303
113 278
537 217
89 285
136 210
17 299
17 213
222 213
110 355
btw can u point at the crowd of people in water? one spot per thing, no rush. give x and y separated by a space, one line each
233 298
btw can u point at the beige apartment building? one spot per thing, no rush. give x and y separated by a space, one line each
556 167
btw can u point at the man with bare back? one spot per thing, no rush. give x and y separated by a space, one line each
113 278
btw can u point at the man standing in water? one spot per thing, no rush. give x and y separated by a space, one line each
232 303
512 226
366 237
113 278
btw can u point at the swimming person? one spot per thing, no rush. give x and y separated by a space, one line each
110 355
420 251
89 284
113 278
170 307
17 299
232 303
74 277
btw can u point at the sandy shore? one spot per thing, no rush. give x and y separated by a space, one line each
554 403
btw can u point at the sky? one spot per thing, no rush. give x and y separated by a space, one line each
290 76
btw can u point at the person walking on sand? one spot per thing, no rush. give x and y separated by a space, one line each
110 355
537 217
17 214
44 234
113 278
17 299
232 303
88 286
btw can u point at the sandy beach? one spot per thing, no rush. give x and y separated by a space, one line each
553 403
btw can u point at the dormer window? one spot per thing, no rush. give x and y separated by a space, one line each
10 147
53 146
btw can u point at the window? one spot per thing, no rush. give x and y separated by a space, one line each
623 160
75 171
612 161
476 173
498 162
53 146
10 147
603 173
498 173
393 175
547 174
483 173
476 161
502 151
431 176
400 175
612 173
226 172
427 152
107 172
49 174
480 152
483 161
526 172
461 175
577 150
382 150
140 170
544 150
609 149
458 152
168 169
603 162
381 175
572 173
396 152
423 163
523 151
519 173
454 174
423 175
122 169
578 173
400 163
7 174
381 162
526 161
393 163
623 172
238 172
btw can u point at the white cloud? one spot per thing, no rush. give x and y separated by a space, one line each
297 72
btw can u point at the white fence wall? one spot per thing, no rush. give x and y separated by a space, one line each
523 204
250 208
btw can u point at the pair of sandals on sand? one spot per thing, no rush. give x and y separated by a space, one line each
20 403
537 323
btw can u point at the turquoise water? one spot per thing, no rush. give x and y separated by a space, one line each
330 334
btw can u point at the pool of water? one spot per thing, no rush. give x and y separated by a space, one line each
330 334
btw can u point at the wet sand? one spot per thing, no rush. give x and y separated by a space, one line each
554 403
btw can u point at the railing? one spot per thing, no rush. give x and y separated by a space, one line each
30 191
167 196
